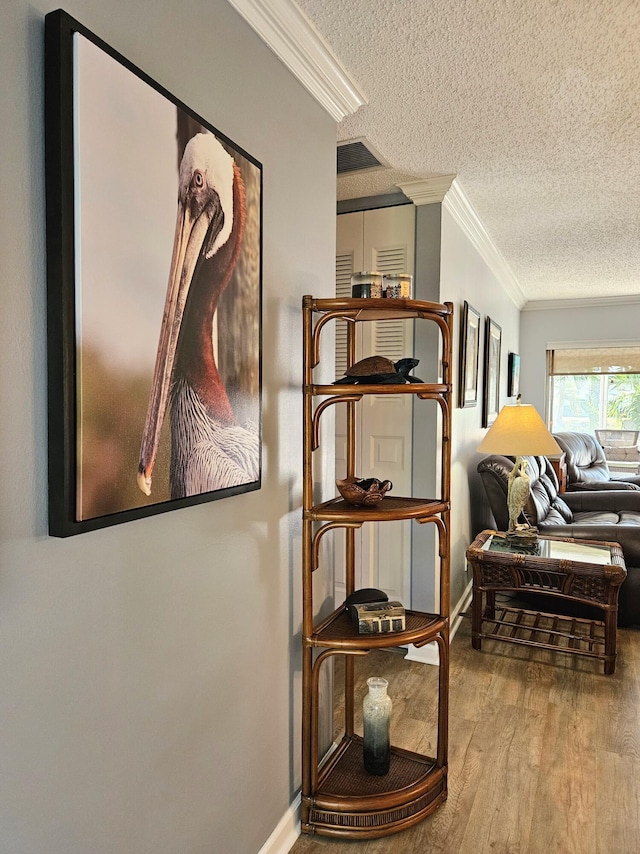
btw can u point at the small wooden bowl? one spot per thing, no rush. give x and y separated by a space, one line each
363 492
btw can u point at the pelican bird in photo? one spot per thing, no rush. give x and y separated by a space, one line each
209 450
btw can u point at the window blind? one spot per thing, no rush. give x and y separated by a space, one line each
344 269
603 360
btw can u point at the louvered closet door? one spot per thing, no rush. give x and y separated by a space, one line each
349 259
385 422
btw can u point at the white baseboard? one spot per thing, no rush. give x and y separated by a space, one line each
463 604
429 654
286 833
423 654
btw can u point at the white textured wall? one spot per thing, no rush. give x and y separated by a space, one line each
150 671
464 275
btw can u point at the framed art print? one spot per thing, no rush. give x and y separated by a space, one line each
154 247
469 351
513 378
492 346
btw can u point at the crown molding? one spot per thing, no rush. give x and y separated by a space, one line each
590 344
459 206
446 189
429 191
587 302
297 43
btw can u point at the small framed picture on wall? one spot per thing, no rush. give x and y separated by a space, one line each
513 379
469 348
492 347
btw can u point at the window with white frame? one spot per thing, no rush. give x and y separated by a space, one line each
593 389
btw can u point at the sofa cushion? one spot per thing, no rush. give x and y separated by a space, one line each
553 517
562 509
628 517
544 500
599 517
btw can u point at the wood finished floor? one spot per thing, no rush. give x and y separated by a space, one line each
544 751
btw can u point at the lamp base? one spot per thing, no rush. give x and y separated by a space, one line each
524 540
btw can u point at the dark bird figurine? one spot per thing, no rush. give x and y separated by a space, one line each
209 450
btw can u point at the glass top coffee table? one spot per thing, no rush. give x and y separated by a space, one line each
578 571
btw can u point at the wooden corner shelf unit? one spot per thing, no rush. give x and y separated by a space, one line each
339 798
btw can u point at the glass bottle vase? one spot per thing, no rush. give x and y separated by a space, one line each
376 715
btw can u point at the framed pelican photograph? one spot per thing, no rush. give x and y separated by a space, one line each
154 294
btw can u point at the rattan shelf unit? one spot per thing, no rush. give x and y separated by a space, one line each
339 798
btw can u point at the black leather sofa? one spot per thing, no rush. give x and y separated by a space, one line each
608 515
587 466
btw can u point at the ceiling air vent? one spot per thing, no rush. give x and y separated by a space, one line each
357 155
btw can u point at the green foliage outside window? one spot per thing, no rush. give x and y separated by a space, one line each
587 402
623 409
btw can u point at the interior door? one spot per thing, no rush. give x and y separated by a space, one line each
382 240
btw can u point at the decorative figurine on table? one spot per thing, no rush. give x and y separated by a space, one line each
523 536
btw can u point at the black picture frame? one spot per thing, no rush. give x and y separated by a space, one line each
469 356
513 376
114 143
492 348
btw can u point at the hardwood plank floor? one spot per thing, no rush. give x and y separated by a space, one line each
544 751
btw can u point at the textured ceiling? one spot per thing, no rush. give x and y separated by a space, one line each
533 104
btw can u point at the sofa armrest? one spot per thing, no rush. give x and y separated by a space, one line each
599 485
619 477
612 500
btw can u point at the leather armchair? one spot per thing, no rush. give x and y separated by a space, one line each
587 466
609 515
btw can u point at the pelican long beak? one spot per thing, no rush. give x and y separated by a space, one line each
188 240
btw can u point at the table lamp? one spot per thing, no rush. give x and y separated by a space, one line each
519 431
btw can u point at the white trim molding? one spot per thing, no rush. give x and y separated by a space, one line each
447 190
286 832
429 654
423 654
585 302
299 45
429 191
459 206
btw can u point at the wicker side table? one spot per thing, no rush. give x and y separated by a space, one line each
573 570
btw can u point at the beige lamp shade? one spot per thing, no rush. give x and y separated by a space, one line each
519 431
